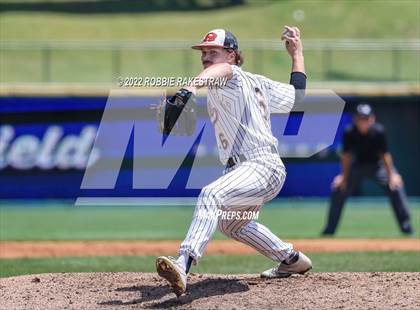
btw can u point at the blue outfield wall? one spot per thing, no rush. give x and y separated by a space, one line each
45 143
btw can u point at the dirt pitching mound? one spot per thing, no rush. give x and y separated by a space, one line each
146 290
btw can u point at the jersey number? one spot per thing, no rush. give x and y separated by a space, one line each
223 141
214 118
213 114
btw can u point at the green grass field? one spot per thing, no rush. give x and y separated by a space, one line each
254 21
323 262
294 218
289 218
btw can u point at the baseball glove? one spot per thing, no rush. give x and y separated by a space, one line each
177 115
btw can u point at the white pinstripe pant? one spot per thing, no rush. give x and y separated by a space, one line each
245 187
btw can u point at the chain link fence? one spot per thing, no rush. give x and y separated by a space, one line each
104 62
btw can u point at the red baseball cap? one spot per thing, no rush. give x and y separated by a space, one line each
218 38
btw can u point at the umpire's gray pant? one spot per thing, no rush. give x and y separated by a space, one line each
377 173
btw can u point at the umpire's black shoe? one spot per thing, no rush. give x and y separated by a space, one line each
406 229
327 234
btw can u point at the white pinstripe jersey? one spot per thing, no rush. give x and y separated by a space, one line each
240 112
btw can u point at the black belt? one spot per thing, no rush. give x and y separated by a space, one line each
232 162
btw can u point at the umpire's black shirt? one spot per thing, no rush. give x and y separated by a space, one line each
365 149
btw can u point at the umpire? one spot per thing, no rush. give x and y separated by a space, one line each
365 155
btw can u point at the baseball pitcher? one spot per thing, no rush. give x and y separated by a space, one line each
240 113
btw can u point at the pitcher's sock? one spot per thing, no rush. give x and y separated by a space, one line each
189 262
293 257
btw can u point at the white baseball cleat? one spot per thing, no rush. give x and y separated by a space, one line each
302 265
171 270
